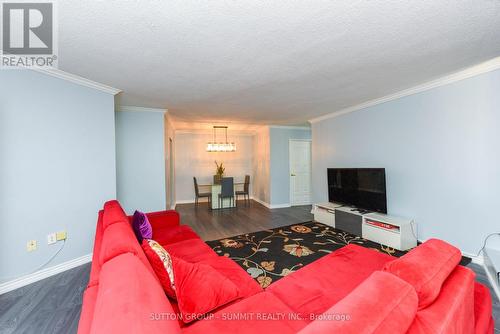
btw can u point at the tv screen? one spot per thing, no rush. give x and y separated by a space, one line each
363 188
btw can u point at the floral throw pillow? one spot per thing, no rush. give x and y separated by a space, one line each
161 262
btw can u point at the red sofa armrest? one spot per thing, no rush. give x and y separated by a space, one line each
162 219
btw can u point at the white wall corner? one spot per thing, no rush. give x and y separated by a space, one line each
488 66
44 273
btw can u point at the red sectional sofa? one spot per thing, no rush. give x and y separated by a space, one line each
352 290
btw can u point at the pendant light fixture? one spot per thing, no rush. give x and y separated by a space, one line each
215 146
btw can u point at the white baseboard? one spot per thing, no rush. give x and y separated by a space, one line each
475 259
258 200
271 206
188 201
44 273
279 206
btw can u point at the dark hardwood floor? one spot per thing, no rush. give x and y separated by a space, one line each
53 304
218 224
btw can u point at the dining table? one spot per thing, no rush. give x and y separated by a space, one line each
215 189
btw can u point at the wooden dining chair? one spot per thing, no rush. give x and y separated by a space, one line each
201 195
245 192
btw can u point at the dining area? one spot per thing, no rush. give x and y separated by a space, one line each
223 192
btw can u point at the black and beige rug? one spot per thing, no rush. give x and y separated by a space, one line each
270 255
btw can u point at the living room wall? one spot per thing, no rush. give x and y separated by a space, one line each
192 159
57 167
261 166
280 161
140 160
440 149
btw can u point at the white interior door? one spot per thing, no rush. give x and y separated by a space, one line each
300 172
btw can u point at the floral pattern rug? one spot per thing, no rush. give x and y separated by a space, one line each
270 255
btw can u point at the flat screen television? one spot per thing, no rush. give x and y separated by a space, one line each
363 188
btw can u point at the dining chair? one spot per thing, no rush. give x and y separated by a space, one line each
245 192
201 195
227 190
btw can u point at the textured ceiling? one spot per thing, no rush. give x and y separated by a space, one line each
275 62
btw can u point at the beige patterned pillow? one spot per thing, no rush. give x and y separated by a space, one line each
161 262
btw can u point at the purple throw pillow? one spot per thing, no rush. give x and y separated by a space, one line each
142 227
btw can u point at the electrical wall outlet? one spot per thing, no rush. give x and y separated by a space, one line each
31 245
51 238
61 235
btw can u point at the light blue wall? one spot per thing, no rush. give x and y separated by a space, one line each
441 151
280 161
140 160
57 167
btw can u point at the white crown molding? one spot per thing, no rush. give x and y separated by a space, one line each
44 273
290 127
78 80
488 66
140 109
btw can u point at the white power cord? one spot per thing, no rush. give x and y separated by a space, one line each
486 240
39 267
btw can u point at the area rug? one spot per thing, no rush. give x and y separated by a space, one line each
270 255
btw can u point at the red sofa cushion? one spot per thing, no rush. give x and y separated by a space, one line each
88 306
118 238
199 289
260 313
162 265
113 213
426 267
96 266
453 310
130 300
163 219
482 308
247 286
173 234
381 304
191 250
314 288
